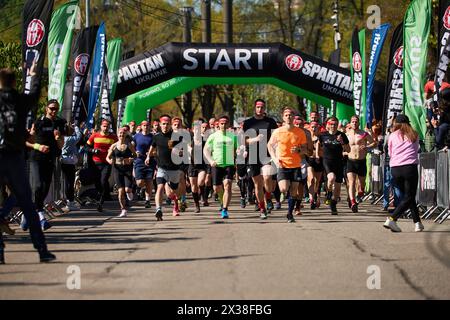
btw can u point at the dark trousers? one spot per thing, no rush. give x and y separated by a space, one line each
102 184
406 178
69 179
41 172
12 173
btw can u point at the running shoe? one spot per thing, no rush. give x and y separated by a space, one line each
298 212
243 203
290 218
269 205
278 206
175 212
313 205
45 225
263 214
148 205
4 227
354 207
24 224
333 207
123 213
216 197
224 214
392 225
46 256
328 198
282 197
205 203
197 209
257 206
183 206
159 215
359 197
418 227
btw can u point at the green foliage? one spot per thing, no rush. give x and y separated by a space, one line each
11 57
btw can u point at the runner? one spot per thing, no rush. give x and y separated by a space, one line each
144 173
182 133
260 169
168 173
155 127
359 142
49 131
220 150
315 168
333 143
299 123
12 144
99 144
287 146
121 155
197 168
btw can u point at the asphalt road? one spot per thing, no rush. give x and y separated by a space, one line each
200 256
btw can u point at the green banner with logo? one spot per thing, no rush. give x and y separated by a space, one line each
416 28
59 47
113 59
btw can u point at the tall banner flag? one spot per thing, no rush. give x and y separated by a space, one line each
81 60
120 111
358 72
443 47
59 46
97 73
393 96
113 59
105 103
36 22
376 46
444 19
416 28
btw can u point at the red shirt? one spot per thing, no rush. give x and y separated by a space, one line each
103 143
430 88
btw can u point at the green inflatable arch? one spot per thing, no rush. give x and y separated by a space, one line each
138 103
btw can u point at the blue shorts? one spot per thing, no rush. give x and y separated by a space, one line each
141 171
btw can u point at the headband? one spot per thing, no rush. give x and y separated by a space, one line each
165 118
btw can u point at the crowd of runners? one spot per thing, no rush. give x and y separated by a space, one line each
289 163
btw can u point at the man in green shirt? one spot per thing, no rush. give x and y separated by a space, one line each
220 150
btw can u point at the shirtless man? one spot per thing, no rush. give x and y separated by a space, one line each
359 142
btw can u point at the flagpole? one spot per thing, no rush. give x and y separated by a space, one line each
87 13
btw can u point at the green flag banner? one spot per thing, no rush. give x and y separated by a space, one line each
113 58
59 47
416 28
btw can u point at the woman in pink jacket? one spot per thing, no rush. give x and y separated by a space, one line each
403 147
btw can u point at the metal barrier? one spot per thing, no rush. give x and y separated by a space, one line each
443 189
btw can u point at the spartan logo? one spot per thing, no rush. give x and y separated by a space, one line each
35 32
446 18
398 57
357 62
294 62
81 63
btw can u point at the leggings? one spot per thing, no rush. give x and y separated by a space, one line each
41 174
69 178
406 178
102 185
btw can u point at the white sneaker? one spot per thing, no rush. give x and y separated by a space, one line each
391 224
123 214
418 227
73 206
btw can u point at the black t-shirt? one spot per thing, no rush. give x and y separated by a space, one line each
163 152
44 135
263 126
332 149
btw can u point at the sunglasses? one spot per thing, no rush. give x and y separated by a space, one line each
53 109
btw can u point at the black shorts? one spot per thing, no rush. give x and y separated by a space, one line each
222 173
208 169
241 170
194 169
316 166
335 166
123 176
290 174
358 167
254 170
